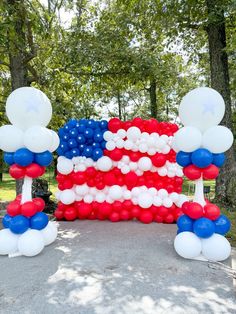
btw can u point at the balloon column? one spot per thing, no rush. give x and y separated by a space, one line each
28 147
201 144
118 171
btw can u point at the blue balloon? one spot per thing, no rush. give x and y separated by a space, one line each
202 157
104 124
91 124
218 159
68 154
72 123
19 224
80 139
6 221
98 137
203 227
179 231
39 221
60 151
82 128
103 145
95 145
183 159
83 122
87 152
61 132
65 137
88 133
185 223
8 158
44 159
72 143
66 128
23 157
73 133
97 153
222 225
75 152
82 147
63 146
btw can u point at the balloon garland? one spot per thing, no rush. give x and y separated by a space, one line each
118 171
201 144
28 147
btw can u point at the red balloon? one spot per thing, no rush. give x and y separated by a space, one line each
28 209
211 211
153 209
185 206
84 210
67 184
131 179
18 197
135 211
116 154
92 216
158 219
158 160
17 172
79 178
59 214
162 211
114 124
127 204
138 122
134 156
109 179
105 209
114 217
192 172
169 219
124 214
210 172
39 203
13 208
70 213
117 206
146 217
194 210
34 171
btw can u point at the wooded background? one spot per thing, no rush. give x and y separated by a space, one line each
121 58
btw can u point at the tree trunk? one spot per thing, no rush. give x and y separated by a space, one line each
119 105
17 51
153 99
1 166
226 180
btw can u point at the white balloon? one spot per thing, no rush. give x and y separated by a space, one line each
89 162
110 145
217 139
120 143
187 245
128 144
174 145
157 201
160 144
49 233
145 200
38 139
166 149
82 189
152 191
167 202
121 133
100 197
28 106
88 198
188 139
143 148
104 163
174 196
55 141
151 151
65 166
133 166
202 108
162 171
125 169
135 191
31 243
162 193
11 138
115 192
182 199
144 135
216 248
8 242
127 195
108 136
67 196
133 133
151 141
144 163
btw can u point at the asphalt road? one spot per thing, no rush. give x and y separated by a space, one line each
105 268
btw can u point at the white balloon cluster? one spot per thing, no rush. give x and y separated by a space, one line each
135 140
29 110
201 127
214 248
142 196
30 243
105 164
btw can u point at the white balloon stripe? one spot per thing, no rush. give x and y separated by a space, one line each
142 196
66 166
135 140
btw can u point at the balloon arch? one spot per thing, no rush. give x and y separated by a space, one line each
117 171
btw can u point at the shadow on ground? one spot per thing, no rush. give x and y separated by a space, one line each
104 268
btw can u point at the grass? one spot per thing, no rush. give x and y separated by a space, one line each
7 193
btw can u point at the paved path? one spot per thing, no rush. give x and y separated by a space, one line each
122 268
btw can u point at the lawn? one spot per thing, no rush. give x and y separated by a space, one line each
7 193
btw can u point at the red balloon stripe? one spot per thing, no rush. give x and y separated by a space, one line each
194 173
99 179
27 209
196 211
118 211
149 126
31 171
158 159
